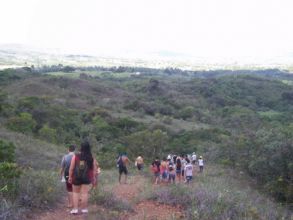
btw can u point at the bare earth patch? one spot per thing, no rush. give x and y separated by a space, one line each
147 209
152 210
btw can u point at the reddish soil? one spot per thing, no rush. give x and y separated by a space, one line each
147 209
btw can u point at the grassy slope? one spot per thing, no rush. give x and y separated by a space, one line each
218 193
222 189
34 153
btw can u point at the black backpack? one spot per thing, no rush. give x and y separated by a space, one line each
81 172
120 162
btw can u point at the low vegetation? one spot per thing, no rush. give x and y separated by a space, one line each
242 120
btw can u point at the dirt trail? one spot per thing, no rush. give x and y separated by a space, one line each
130 192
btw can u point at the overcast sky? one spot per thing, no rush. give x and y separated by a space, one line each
210 28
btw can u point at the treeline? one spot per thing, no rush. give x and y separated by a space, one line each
270 73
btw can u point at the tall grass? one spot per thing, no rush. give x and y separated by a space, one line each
103 194
35 190
33 153
39 185
215 195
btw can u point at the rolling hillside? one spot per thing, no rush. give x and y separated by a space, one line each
237 120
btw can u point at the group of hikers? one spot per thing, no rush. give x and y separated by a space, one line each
175 168
80 171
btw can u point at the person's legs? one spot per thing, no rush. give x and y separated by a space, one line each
119 177
120 173
126 172
75 196
84 196
178 174
173 178
69 194
70 199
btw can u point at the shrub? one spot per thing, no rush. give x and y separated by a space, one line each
23 123
107 199
48 134
215 198
39 189
187 112
7 151
9 171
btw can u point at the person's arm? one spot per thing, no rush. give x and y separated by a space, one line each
128 160
71 169
95 166
95 172
62 167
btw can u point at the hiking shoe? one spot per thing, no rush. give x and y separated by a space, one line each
74 211
84 211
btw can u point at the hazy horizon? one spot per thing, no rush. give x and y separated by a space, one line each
215 30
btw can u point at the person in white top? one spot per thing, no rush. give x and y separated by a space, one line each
200 163
188 171
193 157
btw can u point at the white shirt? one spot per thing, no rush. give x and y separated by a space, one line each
188 169
193 157
183 161
200 162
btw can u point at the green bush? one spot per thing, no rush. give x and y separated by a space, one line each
7 151
107 199
39 189
187 112
23 123
9 171
48 134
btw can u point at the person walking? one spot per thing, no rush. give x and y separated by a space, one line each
183 163
64 173
188 171
139 163
164 170
193 157
122 164
82 173
171 172
156 169
201 164
178 168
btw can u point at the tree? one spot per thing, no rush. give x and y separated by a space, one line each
23 123
48 134
147 143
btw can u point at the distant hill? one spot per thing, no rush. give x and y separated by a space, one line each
17 55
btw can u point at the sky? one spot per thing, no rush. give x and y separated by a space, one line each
205 28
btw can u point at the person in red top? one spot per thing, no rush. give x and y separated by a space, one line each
82 172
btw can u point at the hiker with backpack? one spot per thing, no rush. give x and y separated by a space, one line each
155 167
122 163
82 174
64 173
